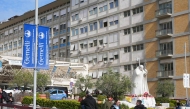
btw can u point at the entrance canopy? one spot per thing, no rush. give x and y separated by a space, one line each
59 71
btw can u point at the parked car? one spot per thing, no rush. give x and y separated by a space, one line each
65 89
57 94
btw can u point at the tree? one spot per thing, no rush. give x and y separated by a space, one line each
22 78
83 82
114 84
42 81
165 88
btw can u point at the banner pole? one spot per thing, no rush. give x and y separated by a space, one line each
36 47
186 72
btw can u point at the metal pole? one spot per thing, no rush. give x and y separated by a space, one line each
35 70
186 71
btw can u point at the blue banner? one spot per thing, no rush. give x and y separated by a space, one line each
28 55
69 70
43 48
54 69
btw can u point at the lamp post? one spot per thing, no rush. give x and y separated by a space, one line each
35 70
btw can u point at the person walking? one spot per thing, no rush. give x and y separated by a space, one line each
10 98
139 105
3 96
89 102
116 105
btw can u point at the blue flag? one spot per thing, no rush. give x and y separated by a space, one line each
29 43
69 70
43 48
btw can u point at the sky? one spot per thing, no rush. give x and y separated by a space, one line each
10 8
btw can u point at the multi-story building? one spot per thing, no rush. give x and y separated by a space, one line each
117 33
55 15
113 33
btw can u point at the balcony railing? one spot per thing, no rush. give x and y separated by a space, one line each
165 74
162 13
63 31
164 53
164 33
63 45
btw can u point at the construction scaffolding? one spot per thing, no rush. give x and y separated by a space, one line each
60 71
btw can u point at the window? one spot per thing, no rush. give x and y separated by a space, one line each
103 8
137 10
93 11
127 49
126 13
54 92
95 42
138 47
114 4
75 32
75 17
43 20
137 28
93 26
127 67
101 42
82 46
103 23
167 25
166 67
116 56
83 29
91 44
15 44
127 31
113 20
167 5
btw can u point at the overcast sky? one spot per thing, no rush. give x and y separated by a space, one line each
9 8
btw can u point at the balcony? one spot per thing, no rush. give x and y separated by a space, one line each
164 53
62 45
164 33
163 13
55 47
165 74
63 31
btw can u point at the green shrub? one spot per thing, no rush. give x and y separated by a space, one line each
101 97
170 108
82 94
60 104
172 104
132 108
123 106
162 100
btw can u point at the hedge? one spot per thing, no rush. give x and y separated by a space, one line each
61 104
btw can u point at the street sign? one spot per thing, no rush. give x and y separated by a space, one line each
29 43
186 80
43 48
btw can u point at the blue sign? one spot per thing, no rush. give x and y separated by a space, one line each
29 43
43 48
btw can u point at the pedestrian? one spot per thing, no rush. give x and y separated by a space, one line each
10 98
89 102
139 105
3 96
116 105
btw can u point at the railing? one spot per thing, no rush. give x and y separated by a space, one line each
63 31
63 45
163 32
165 11
164 74
164 53
18 106
55 47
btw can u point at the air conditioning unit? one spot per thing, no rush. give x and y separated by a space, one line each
80 19
105 62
